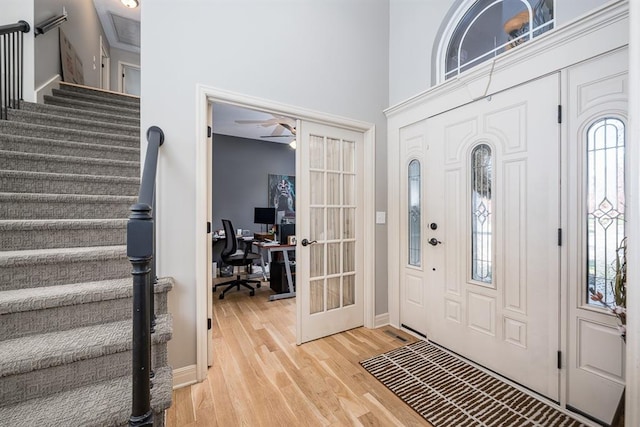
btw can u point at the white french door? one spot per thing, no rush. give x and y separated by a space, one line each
329 253
493 266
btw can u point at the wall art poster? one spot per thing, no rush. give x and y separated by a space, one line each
282 193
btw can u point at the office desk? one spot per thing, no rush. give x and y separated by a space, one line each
269 248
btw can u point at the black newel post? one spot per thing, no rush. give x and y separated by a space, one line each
141 253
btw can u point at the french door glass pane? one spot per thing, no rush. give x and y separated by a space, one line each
316 289
349 158
333 188
348 290
349 190
317 260
316 152
317 223
333 293
349 257
349 230
317 188
605 204
415 252
333 258
333 223
333 154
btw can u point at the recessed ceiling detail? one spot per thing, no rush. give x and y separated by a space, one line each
127 30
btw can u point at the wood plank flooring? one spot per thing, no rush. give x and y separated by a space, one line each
261 378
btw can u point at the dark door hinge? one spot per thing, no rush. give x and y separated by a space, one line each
559 113
208 324
208 227
559 360
559 236
208 131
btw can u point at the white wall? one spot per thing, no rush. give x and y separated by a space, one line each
12 11
416 26
82 28
329 56
119 55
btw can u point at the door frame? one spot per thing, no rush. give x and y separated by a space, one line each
105 67
121 66
207 95
599 32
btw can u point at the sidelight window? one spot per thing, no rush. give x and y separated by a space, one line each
415 252
604 203
481 214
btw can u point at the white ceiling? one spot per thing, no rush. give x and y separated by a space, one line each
122 28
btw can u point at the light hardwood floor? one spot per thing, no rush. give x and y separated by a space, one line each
260 377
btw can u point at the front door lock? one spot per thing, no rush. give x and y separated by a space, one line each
434 242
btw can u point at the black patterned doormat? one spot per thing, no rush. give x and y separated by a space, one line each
447 391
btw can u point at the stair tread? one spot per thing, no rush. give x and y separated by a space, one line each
73 144
20 300
58 110
74 87
65 176
103 403
42 351
48 130
74 159
132 105
50 224
33 256
44 197
71 120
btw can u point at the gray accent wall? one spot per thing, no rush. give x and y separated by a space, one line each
240 170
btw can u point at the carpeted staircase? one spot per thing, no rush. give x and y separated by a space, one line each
69 171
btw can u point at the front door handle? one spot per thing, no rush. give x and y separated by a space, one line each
305 242
434 242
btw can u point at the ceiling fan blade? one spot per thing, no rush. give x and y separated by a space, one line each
277 136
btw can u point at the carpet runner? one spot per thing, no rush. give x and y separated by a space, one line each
447 391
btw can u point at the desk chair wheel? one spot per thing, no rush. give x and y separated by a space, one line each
221 296
252 293
258 285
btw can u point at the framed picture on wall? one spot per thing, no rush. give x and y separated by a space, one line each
282 194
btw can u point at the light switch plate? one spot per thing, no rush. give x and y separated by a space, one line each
381 217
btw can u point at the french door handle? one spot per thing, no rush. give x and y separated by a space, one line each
434 242
305 242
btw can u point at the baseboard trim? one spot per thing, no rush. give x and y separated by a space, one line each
381 320
46 88
184 376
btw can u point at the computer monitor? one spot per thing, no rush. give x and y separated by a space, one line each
264 216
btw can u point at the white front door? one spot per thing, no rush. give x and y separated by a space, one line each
329 286
596 122
493 283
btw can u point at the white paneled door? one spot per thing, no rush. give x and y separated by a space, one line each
492 260
329 253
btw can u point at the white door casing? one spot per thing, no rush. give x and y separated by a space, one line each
330 198
413 292
510 323
596 364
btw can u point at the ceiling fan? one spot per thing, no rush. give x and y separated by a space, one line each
280 123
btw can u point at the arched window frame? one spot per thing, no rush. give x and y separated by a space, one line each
457 12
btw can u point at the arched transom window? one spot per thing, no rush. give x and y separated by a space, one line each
491 27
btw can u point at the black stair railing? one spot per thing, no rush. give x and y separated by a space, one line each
11 65
141 253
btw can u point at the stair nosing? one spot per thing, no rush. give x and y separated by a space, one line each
63 176
68 159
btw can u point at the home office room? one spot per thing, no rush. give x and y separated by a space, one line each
253 205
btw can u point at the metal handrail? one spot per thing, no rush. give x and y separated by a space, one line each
141 252
11 65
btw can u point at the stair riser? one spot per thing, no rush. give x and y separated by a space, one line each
44 382
24 145
27 117
103 94
89 106
24 239
64 210
80 114
23 129
60 273
27 184
99 99
21 324
67 165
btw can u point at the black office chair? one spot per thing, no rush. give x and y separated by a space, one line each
231 256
